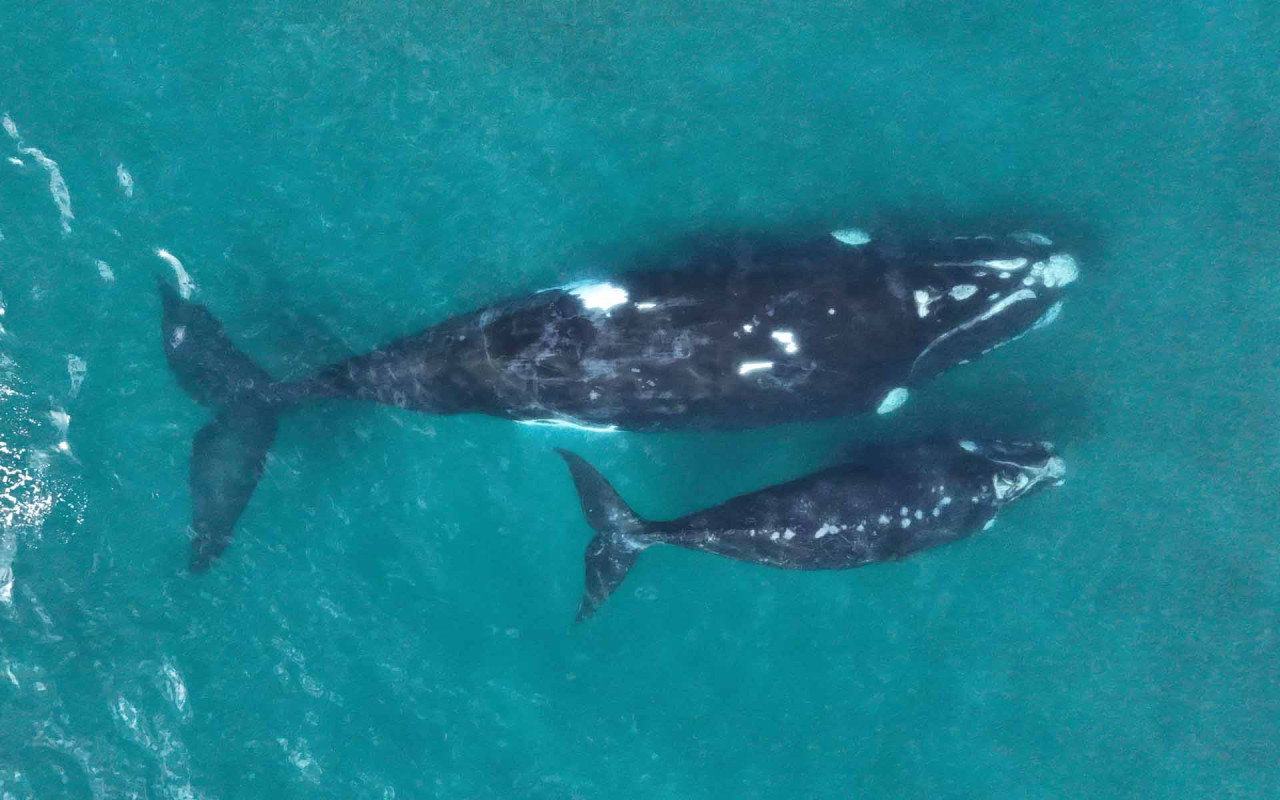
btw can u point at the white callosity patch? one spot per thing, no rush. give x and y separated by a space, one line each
968 446
648 305
125 180
997 264
1061 270
57 186
963 291
854 237
884 519
1048 317
893 400
923 299
185 285
748 367
788 534
788 341
996 308
827 528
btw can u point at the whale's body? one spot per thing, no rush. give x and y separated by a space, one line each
885 508
736 337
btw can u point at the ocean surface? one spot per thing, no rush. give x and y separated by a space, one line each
395 616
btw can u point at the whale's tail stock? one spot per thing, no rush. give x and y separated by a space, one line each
228 453
621 534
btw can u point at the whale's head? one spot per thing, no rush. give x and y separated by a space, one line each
1013 469
974 295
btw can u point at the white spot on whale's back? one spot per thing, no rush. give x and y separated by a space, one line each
963 291
788 341
893 400
854 237
601 296
748 367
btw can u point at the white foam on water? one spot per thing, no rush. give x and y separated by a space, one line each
104 271
76 369
125 180
571 424
57 185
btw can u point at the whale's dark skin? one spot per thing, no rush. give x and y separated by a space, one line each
838 326
901 502
734 338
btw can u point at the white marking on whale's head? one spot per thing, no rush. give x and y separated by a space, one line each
1020 467
854 237
962 291
826 528
599 296
787 340
1061 270
893 400
748 367
1049 316
923 299
186 286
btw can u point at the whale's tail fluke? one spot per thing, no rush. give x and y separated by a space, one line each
620 534
228 454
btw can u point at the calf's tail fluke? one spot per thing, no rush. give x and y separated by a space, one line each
620 534
228 454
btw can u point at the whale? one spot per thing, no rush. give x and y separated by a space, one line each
885 508
750 334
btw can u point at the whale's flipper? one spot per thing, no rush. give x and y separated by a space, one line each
229 452
620 534
226 463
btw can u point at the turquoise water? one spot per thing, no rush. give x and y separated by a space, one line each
394 618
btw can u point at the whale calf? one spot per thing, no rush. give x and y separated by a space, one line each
907 500
735 337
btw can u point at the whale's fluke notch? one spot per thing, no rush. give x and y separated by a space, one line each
620 534
228 454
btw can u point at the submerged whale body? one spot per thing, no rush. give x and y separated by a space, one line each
908 500
733 338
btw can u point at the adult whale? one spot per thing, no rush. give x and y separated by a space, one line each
735 337
905 500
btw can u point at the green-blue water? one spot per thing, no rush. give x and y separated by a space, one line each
394 617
